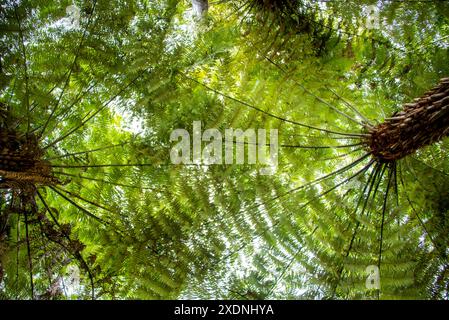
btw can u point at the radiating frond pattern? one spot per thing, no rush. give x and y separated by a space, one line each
91 206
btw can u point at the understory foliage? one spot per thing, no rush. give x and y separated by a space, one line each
96 102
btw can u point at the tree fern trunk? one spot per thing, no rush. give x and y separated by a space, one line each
421 123
21 161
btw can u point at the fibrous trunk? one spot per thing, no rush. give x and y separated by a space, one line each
421 123
21 162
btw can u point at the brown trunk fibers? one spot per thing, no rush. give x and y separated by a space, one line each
21 161
418 124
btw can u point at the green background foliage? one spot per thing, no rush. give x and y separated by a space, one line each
107 95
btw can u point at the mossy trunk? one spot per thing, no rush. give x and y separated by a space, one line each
421 123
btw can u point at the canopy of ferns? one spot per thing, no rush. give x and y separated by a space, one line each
91 206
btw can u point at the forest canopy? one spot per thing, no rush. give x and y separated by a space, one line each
93 207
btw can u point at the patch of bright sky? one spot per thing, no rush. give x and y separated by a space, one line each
185 30
70 22
128 121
